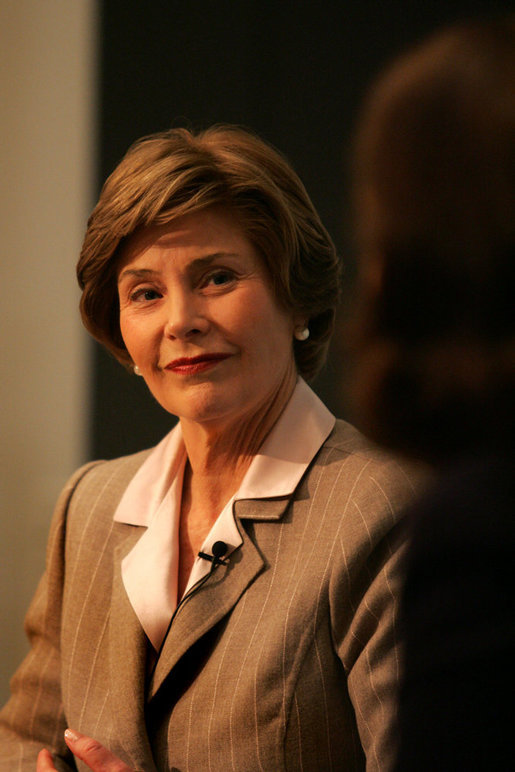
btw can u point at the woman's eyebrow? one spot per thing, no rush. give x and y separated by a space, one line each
206 260
196 263
139 273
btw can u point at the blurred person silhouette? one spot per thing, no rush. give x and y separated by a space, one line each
434 196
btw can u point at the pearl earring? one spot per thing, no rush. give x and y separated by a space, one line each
136 370
302 334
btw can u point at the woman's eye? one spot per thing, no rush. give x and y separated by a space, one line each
145 294
219 278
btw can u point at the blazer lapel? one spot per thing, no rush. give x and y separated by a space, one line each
201 611
128 654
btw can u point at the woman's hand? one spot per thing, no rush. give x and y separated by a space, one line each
98 758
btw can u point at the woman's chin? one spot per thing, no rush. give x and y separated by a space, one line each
203 404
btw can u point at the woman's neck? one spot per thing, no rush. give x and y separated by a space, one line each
220 453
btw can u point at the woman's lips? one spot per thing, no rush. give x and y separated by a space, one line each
192 365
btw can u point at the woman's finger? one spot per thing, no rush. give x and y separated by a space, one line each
45 762
92 753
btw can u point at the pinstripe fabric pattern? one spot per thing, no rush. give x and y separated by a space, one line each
287 659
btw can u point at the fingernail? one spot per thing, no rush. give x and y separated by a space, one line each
71 735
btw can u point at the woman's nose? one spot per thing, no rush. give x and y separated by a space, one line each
184 316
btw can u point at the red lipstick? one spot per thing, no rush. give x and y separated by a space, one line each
194 365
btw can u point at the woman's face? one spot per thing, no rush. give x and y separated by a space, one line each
199 319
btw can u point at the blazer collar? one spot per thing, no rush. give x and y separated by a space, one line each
200 612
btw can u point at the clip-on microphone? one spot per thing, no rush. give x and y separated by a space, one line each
218 549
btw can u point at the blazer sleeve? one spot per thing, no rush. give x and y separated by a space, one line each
365 607
33 718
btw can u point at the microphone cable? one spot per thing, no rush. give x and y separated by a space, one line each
218 549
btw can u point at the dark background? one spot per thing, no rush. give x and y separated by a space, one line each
294 72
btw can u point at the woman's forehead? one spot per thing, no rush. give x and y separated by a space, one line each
202 233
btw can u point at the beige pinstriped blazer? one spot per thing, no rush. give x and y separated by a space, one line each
287 659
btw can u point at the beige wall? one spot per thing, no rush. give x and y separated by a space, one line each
47 80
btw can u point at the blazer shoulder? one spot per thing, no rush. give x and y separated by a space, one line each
121 468
347 439
346 442
99 484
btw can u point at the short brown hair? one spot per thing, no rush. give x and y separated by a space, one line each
435 202
172 173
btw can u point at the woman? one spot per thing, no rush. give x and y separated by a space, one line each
227 599
435 196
